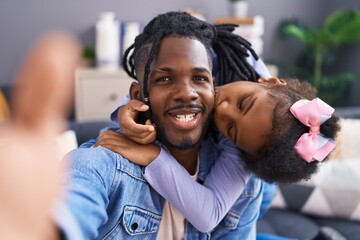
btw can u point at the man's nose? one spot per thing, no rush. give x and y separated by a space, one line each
185 92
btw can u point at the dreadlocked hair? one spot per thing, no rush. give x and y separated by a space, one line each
231 49
278 161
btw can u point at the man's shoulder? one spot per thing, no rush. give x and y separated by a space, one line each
103 159
93 157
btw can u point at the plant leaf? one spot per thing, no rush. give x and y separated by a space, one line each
343 27
300 33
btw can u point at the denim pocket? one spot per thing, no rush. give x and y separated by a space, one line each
230 221
228 225
140 221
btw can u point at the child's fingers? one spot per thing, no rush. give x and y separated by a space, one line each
110 138
128 124
110 134
127 153
151 126
136 105
138 130
133 108
116 144
113 147
137 153
145 135
115 138
145 140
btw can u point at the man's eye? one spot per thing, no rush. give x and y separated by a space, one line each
163 79
200 79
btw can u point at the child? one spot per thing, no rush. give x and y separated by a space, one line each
265 111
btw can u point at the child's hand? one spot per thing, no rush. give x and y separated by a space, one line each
127 116
138 153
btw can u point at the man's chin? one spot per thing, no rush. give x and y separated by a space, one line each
187 144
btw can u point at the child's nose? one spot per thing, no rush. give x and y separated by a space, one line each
222 109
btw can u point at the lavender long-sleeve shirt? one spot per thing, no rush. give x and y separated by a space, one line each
202 205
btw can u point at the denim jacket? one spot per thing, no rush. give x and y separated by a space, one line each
108 198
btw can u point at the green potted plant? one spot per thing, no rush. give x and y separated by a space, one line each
88 56
339 28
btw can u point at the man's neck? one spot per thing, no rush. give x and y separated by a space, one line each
187 158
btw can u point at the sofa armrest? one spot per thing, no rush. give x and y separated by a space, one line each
88 130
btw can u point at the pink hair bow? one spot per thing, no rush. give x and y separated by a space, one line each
313 145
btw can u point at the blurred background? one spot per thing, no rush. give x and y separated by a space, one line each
23 21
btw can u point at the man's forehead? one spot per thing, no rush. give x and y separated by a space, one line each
142 56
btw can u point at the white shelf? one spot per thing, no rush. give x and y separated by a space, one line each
98 93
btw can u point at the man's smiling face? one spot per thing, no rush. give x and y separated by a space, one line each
181 91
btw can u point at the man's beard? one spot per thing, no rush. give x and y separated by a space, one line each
186 144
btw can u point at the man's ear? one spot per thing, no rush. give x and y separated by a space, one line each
272 81
135 90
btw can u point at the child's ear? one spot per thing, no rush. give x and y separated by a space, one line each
135 90
272 81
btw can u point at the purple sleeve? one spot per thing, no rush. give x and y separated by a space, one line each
113 115
203 206
259 66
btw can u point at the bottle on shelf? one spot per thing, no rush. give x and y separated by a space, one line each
130 30
107 42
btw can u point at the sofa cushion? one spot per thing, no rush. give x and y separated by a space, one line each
348 229
348 140
333 192
288 224
65 143
88 130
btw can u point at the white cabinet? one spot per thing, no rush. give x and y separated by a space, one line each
98 93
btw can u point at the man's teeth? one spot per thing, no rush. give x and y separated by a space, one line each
185 118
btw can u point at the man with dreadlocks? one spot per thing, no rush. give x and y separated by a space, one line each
172 60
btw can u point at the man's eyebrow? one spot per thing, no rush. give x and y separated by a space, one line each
250 105
169 70
161 70
201 69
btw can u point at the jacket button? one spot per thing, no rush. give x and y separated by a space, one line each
134 226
